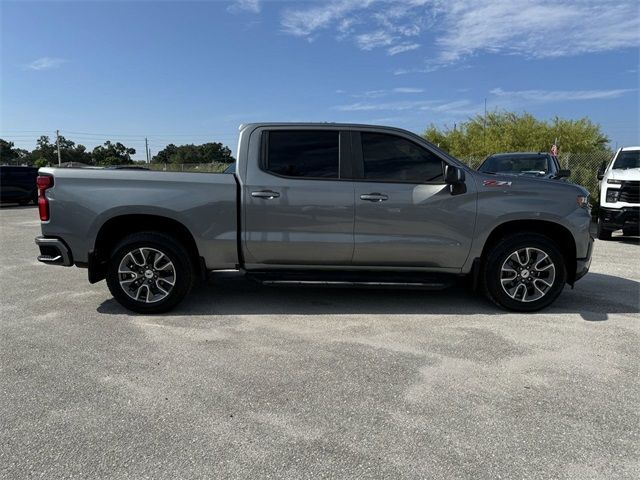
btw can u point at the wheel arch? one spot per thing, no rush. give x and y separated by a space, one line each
118 227
561 235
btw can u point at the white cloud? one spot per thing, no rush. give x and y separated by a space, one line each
303 22
369 41
371 94
536 29
46 63
385 106
401 48
253 6
385 93
544 96
407 90
459 28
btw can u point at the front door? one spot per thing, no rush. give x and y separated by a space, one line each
406 216
298 203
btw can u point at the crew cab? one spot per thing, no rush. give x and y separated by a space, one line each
619 184
319 204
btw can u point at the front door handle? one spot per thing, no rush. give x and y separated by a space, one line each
374 197
267 194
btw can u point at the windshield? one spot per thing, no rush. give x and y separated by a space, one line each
516 164
628 159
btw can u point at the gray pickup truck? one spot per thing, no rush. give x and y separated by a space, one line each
318 204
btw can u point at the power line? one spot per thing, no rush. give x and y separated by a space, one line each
207 134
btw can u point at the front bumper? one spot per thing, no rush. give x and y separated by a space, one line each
615 218
583 264
54 251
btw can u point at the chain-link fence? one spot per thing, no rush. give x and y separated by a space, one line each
584 169
215 167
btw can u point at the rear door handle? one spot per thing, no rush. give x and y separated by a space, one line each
374 197
267 194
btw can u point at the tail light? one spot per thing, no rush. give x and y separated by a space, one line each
43 182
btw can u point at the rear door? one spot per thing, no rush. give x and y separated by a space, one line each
298 197
406 216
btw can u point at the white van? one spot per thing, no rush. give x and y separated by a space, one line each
620 194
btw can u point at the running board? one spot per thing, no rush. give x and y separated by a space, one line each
354 279
343 284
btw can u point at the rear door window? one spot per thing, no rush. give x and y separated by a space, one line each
302 153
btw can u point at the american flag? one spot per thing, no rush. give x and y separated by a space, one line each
554 148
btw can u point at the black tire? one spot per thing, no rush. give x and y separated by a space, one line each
631 232
181 266
492 272
603 233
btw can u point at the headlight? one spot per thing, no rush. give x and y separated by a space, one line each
612 195
615 182
583 201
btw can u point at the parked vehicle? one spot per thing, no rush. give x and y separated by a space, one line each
18 184
620 194
319 204
541 165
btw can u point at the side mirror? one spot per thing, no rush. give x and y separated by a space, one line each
563 173
453 175
603 167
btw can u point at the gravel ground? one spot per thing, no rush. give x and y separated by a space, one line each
245 381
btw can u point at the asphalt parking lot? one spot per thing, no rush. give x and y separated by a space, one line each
246 381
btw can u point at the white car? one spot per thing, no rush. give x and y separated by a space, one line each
620 194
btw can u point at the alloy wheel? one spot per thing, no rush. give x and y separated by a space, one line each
527 274
146 275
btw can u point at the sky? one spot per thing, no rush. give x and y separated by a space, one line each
192 72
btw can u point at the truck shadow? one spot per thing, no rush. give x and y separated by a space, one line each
594 298
626 240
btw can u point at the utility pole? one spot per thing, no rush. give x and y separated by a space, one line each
146 148
58 147
484 124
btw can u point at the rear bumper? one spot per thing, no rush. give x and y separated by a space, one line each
615 218
54 251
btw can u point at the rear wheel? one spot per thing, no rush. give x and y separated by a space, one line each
149 272
524 272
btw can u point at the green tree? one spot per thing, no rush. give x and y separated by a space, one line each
206 153
72 152
112 154
509 132
164 155
46 152
9 154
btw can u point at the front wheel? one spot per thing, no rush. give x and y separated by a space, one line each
524 272
149 272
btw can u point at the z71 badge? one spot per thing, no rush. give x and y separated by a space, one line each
496 183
